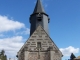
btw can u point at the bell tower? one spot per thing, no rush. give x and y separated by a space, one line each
39 17
39 45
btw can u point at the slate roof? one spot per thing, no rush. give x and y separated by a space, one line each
39 8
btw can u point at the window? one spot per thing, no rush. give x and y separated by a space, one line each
39 44
39 18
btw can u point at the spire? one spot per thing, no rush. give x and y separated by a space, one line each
38 7
38 17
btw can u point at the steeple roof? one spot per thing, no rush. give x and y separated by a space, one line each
39 8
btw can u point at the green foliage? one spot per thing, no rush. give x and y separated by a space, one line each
2 55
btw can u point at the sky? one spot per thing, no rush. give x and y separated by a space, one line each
64 26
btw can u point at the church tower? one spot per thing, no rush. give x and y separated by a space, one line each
39 45
39 17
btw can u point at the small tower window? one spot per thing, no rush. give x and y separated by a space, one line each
39 44
39 17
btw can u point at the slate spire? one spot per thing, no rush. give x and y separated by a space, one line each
39 17
39 8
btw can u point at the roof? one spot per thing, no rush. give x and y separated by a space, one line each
40 28
39 8
78 57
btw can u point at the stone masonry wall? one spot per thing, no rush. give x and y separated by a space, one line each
34 56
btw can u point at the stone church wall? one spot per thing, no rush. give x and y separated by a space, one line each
41 56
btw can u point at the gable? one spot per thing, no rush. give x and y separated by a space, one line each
40 35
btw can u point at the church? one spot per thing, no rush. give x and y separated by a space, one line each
39 45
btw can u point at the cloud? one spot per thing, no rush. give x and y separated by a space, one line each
9 41
67 51
26 31
7 24
11 45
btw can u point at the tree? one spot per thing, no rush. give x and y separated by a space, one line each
2 52
72 56
2 55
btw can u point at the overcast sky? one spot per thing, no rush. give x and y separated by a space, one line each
64 26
